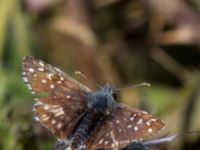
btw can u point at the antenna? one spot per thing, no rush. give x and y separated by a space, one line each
84 76
81 74
167 138
134 86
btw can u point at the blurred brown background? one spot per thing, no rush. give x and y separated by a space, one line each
122 42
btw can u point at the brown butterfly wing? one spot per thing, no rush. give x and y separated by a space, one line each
66 99
124 126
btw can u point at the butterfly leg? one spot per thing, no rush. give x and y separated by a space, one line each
62 146
162 140
135 146
82 147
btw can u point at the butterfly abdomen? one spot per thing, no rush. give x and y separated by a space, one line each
85 128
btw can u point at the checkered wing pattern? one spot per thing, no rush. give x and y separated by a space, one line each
124 126
66 99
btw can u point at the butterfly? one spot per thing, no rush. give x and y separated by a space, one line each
81 118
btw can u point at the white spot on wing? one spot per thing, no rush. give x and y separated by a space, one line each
52 86
57 111
45 118
31 70
41 63
113 145
53 122
57 69
29 86
38 103
46 107
70 85
25 79
153 119
44 81
144 112
41 69
37 118
59 82
36 99
33 109
59 125
101 141
68 96
148 123
135 128
120 130
132 118
49 76
140 121
150 130
129 126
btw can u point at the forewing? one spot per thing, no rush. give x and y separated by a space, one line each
124 126
66 99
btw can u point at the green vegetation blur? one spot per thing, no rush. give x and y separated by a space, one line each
111 41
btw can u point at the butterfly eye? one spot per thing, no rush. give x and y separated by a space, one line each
114 95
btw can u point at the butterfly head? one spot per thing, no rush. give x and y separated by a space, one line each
103 101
